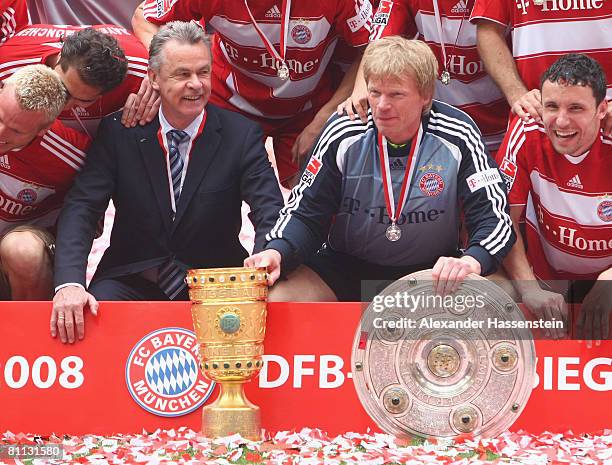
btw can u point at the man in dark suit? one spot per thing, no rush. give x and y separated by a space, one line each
177 185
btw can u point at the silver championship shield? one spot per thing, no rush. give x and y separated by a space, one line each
439 366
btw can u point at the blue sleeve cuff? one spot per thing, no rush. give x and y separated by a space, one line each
289 260
488 264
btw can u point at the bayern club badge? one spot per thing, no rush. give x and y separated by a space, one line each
27 196
163 374
301 34
604 210
431 184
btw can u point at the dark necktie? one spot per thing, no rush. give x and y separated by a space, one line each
171 278
175 137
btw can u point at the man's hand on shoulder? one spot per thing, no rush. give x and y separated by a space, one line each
270 259
449 272
142 107
67 313
355 106
547 305
529 105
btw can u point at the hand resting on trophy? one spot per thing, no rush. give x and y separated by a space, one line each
269 259
449 272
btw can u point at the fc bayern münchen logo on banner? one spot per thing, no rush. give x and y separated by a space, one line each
163 374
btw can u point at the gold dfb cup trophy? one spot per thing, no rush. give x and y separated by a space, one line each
228 306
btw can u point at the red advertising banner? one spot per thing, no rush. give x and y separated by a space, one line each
136 369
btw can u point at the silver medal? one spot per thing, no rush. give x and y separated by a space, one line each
393 232
445 77
283 72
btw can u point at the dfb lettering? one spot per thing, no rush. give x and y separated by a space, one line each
276 370
299 371
264 382
333 370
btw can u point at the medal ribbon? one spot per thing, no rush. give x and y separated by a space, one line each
392 210
441 36
285 12
164 145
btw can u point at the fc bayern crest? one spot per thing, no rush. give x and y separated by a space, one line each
431 184
27 196
301 34
163 375
604 210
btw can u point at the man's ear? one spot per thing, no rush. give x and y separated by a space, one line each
603 109
153 79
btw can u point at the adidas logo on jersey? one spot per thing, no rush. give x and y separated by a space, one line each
396 164
4 162
575 182
273 13
460 7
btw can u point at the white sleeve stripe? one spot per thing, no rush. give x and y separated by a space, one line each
23 62
149 11
66 144
136 73
332 133
131 59
60 156
138 67
60 149
495 194
9 24
58 145
12 66
502 232
516 137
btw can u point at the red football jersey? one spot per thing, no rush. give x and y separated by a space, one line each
35 178
245 73
13 16
568 202
470 88
34 44
543 33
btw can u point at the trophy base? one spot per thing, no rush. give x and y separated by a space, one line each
231 413
221 422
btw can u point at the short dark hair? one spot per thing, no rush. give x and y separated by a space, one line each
576 69
96 56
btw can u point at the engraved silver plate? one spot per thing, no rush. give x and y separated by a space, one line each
423 365
445 77
393 233
283 72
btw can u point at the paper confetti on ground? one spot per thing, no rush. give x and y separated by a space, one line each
313 447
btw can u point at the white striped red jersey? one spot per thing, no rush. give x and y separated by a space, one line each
36 43
568 202
543 33
35 178
245 73
470 88
13 16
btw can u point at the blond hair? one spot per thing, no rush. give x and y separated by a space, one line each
395 56
39 88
